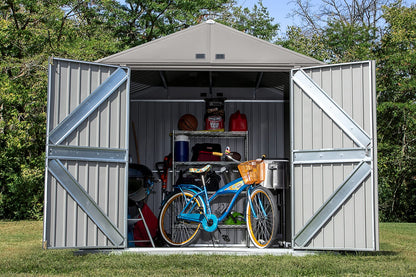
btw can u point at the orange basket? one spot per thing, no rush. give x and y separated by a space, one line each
252 171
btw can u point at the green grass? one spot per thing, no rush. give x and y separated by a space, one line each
21 255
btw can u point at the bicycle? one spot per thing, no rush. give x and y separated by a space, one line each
188 209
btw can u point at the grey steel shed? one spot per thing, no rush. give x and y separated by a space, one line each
320 117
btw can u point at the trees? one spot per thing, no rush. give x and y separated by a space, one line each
22 97
347 42
355 13
396 86
397 161
134 22
360 30
336 31
31 31
396 55
256 22
337 42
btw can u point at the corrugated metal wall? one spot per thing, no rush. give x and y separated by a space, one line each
268 127
352 225
66 223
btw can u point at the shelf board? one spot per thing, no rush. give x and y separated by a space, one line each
203 163
223 226
211 133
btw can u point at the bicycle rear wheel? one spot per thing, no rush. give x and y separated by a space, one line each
262 227
179 232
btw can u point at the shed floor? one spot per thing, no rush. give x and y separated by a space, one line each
238 251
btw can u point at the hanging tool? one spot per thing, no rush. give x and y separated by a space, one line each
163 172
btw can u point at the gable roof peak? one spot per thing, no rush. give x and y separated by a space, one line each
207 45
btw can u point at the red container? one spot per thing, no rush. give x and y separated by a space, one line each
214 123
238 122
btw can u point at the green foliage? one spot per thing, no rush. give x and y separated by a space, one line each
397 161
338 42
393 47
310 45
396 76
396 86
30 32
22 134
256 22
135 22
346 42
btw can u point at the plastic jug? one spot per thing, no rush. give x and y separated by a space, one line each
238 122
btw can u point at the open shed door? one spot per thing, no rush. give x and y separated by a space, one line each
334 165
86 155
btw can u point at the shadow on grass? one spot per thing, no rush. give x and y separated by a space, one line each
365 253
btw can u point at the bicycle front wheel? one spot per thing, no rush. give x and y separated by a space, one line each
179 232
262 224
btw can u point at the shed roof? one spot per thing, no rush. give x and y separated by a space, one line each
210 45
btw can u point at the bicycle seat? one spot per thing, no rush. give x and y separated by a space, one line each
200 170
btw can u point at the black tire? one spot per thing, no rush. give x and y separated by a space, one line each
174 231
262 230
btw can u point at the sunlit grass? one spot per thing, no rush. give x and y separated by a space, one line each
21 254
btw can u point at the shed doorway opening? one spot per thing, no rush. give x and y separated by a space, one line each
159 98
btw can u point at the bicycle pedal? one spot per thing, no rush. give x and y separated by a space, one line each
226 238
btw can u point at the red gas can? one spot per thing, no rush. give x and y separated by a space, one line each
238 122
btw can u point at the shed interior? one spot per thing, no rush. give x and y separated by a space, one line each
159 98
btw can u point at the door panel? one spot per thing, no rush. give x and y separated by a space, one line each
87 141
333 148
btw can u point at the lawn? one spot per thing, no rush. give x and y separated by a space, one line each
21 254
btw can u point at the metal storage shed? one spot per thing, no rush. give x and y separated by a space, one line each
320 117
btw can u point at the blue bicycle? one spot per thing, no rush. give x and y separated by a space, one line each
188 209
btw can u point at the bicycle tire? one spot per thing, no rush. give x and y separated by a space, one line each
174 231
262 230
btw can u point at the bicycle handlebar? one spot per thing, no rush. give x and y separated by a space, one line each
228 155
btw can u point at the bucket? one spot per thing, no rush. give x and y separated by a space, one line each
276 176
182 148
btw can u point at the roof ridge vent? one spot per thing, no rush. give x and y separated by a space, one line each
210 21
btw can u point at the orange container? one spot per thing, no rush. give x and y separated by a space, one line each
253 172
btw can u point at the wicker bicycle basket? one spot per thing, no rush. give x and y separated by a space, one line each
253 172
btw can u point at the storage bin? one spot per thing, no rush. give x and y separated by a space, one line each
275 173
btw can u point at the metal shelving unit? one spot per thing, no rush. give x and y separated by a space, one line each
207 134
